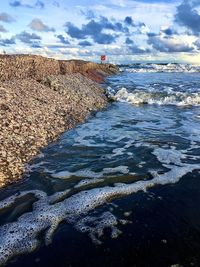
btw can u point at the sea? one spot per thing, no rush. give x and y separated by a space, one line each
121 189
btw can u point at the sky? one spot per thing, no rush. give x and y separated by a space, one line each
125 30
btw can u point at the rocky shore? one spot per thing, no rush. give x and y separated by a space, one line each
39 99
38 67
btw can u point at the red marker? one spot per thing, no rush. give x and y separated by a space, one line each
103 58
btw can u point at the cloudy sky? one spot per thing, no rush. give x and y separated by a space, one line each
124 30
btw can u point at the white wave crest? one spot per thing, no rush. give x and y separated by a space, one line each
178 68
158 98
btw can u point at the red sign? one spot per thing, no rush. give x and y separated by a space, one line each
103 57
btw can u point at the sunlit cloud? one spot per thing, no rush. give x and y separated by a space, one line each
125 30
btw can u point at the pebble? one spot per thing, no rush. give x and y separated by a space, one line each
35 110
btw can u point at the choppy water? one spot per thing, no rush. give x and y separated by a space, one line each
122 189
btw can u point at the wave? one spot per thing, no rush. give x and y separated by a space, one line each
170 67
139 97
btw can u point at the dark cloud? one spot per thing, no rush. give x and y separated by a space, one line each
74 31
134 49
6 17
39 4
28 38
19 3
85 43
120 28
129 41
166 41
195 3
36 45
7 42
38 25
104 23
62 39
188 16
89 14
129 21
140 24
2 29
15 3
197 44
151 34
95 29
168 44
169 31
104 38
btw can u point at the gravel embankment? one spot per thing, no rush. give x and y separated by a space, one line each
32 114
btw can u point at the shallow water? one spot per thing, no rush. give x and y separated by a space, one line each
128 177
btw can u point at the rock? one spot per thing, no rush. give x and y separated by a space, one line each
27 66
38 67
39 99
33 113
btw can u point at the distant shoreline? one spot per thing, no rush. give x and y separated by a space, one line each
40 98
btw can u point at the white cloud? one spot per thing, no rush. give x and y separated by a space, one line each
38 25
156 16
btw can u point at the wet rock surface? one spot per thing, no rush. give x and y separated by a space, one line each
33 113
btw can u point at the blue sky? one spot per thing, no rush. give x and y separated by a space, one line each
124 30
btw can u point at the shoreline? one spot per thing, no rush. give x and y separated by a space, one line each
40 99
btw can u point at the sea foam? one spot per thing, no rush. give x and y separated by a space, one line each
21 236
91 174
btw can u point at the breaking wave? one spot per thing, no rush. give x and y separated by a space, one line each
171 67
139 97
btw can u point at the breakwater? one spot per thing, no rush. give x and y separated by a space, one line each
39 99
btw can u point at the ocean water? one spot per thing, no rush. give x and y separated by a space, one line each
122 189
